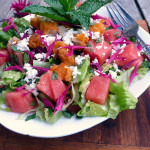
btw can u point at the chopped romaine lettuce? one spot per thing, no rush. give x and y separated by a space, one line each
10 76
92 109
83 68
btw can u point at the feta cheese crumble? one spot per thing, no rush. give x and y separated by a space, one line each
75 71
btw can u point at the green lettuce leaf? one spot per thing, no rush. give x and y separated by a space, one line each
124 97
92 109
52 118
10 76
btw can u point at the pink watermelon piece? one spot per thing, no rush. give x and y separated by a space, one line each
19 55
52 88
111 35
3 59
17 103
98 90
130 53
101 50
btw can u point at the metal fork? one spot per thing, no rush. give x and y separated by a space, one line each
128 24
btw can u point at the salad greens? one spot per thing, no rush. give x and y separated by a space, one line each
63 63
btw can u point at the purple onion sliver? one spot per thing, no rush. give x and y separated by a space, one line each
145 56
47 103
29 91
129 64
97 65
41 68
95 17
106 76
133 74
60 101
14 68
20 88
2 55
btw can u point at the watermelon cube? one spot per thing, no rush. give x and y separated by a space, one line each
4 56
98 90
18 103
52 88
101 50
130 53
111 35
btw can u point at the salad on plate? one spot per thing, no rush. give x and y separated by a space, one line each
66 60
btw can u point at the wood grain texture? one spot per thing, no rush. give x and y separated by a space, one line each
130 131
145 8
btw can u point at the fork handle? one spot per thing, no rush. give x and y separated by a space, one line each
145 47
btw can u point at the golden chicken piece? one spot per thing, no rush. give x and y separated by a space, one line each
63 70
82 39
48 27
98 27
35 41
62 53
35 22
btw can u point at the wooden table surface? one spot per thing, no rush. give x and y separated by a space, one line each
130 131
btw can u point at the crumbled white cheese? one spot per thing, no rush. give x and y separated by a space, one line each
78 59
69 36
75 71
48 39
95 60
138 53
94 21
96 73
62 30
113 74
116 67
95 35
28 17
85 32
103 54
23 45
31 73
39 56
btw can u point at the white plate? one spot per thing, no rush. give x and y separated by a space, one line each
64 127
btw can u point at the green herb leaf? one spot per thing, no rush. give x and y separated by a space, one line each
15 59
80 18
14 48
116 33
54 75
50 110
30 117
79 117
32 103
91 6
26 58
56 5
67 114
44 11
132 39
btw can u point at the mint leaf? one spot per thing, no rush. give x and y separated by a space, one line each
67 114
14 48
56 5
91 6
44 11
54 75
30 117
32 103
64 3
80 17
